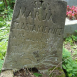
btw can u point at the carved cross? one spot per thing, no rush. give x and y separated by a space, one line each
41 1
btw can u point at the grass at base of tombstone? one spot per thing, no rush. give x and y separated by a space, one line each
57 72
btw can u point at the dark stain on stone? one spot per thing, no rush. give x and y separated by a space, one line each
36 53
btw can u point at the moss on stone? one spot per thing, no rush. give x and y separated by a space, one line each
57 72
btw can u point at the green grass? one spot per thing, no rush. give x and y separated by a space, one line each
4 33
1 63
5 19
69 64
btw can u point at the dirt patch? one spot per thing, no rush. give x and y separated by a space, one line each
23 73
28 73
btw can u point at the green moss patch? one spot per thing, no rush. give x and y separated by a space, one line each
57 72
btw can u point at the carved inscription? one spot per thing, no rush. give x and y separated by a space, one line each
35 34
31 25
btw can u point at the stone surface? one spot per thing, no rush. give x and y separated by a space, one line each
8 73
71 2
70 27
36 35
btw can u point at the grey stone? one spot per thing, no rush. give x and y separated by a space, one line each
8 73
36 35
70 28
71 2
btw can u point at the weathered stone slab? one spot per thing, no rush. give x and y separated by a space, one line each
36 35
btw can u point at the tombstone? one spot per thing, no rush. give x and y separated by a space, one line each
36 35
71 2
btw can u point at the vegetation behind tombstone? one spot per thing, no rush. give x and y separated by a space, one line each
6 11
4 4
6 8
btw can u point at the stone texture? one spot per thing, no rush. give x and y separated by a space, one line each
71 2
8 73
36 35
70 27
